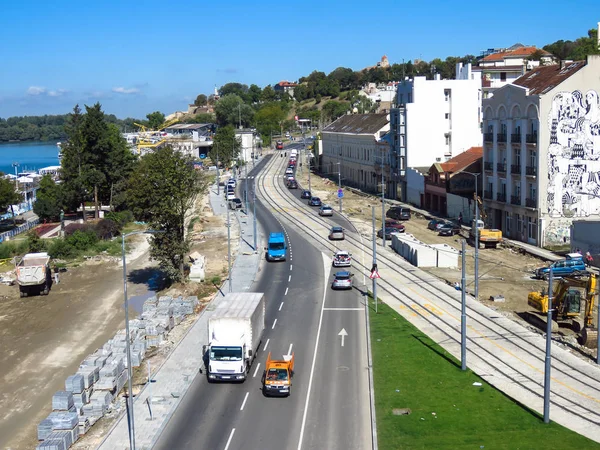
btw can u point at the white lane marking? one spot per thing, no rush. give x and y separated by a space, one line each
344 309
244 402
290 349
290 267
314 361
256 370
289 278
230 438
280 306
274 324
286 290
266 344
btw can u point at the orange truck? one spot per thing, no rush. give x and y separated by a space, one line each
277 377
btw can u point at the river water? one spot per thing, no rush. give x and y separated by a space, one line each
28 155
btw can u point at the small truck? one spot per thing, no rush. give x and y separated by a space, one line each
277 377
33 274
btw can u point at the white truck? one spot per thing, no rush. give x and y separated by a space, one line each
33 274
235 332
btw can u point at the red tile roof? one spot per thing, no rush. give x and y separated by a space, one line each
542 79
462 160
286 84
519 52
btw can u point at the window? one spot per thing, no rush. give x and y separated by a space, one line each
447 115
502 76
410 97
447 94
508 219
532 191
517 157
517 190
532 158
532 228
448 138
519 223
503 187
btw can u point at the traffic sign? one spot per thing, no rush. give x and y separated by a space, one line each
340 193
374 274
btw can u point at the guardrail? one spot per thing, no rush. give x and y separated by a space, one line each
20 229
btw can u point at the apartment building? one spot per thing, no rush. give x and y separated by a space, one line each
500 67
434 121
354 144
542 152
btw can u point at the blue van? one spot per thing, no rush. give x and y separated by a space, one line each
277 248
573 265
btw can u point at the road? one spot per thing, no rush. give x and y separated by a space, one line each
329 405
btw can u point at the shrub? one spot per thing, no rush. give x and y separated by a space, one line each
121 217
82 240
35 243
60 248
107 229
73 227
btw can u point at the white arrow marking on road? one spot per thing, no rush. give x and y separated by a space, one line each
343 334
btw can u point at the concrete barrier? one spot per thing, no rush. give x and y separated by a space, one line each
421 254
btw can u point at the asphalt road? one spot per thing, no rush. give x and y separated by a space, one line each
336 414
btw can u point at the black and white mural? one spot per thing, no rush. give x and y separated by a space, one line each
574 157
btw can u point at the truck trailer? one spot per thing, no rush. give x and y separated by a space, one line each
33 274
235 332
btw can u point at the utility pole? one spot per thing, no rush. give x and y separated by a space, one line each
463 308
240 115
246 185
254 215
548 361
229 247
476 237
374 258
382 201
339 184
218 173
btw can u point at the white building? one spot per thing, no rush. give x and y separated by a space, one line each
354 141
248 143
435 120
542 152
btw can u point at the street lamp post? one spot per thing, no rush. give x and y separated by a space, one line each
218 174
16 165
339 184
476 175
229 248
130 420
254 215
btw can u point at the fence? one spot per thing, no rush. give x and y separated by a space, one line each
20 229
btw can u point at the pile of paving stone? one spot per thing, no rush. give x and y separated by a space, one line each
89 394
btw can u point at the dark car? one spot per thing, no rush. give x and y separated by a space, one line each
388 232
291 163
305 195
449 229
398 213
391 223
235 203
314 201
292 184
433 224
279 145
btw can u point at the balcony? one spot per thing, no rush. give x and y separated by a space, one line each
488 166
488 137
531 138
487 195
516 169
501 137
501 197
515 138
531 202
501 167
530 171
515 200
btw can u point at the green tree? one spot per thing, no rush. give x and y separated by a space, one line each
234 88
268 94
155 119
204 118
254 94
226 147
74 161
201 100
231 109
334 109
49 202
162 190
9 195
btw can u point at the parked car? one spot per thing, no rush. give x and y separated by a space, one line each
398 213
305 194
292 184
279 145
342 258
235 203
388 232
342 280
230 195
326 210
336 233
232 182
289 177
433 223
391 223
314 201
572 265
449 229
289 171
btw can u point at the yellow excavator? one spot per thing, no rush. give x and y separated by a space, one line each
568 295
489 237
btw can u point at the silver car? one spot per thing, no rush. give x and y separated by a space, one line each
342 280
336 233
326 210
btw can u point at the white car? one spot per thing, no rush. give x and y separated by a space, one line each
289 171
342 258
230 195
232 182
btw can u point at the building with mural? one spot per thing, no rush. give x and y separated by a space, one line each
542 152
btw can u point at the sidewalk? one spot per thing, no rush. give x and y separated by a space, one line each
179 370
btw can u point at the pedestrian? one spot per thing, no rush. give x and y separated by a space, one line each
578 250
588 259
56 274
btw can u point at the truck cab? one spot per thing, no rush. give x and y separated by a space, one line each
227 362
277 377
276 248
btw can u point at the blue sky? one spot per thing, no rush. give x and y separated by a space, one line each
138 57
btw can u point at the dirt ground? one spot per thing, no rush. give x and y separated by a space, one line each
503 271
43 339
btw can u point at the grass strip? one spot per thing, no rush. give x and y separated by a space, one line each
447 410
